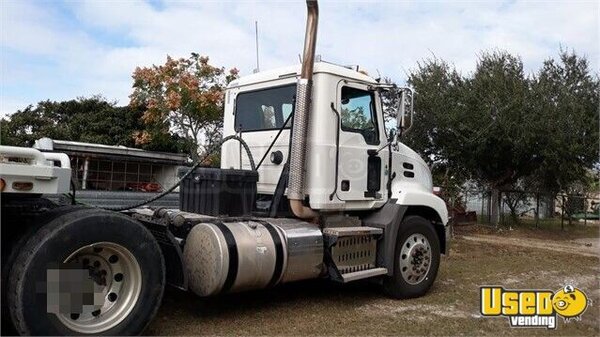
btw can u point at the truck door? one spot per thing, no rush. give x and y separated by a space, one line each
258 115
361 169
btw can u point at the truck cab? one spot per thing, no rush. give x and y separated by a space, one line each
351 162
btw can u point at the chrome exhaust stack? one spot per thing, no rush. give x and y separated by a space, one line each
301 117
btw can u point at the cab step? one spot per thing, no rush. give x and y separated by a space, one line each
357 275
352 231
352 252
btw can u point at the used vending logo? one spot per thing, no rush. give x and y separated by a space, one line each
533 308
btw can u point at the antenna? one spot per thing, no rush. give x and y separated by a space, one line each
256 35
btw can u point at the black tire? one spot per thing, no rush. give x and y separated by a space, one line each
397 286
7 263
18 225
55 242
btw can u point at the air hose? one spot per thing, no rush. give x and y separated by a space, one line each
210 151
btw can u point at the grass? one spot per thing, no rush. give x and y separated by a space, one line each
547 229
450 308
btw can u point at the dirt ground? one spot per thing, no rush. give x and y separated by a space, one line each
514 258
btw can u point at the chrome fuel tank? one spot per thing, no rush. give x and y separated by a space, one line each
304 249
253 254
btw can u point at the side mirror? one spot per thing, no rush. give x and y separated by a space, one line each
404 118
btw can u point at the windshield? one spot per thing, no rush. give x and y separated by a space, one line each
265 109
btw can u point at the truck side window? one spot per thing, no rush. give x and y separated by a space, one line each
265 109
358 114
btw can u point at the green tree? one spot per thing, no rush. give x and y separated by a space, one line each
91 120
438 100
438 105
565 101
504 130
389 102
501 121
355 118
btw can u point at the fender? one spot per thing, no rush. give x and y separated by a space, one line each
390 216
419 197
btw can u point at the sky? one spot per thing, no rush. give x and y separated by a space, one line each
60 50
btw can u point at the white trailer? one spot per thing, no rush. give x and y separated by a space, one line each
334 196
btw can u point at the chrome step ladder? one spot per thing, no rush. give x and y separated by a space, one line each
351 253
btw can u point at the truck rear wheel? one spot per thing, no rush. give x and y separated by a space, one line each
87 272
18 225
416 259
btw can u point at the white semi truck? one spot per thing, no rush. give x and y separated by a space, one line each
334 197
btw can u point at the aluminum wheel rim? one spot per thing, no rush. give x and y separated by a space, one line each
415 259
118 283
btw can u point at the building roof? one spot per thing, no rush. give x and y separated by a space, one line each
112 151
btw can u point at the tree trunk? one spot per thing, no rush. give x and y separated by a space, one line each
494 209
193 147
551 205
483 199
537 210
562 213
512 202
193 150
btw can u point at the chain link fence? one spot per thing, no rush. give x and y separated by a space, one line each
515 207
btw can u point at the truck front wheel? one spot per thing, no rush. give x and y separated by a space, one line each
87 272
416 259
